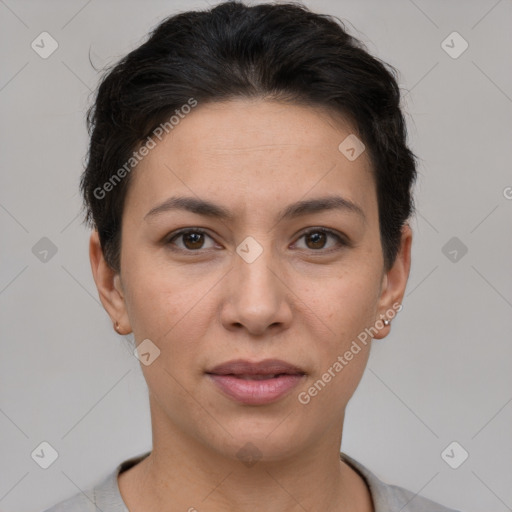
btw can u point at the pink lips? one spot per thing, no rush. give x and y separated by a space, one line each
256 383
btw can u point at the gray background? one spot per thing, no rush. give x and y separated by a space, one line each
442 375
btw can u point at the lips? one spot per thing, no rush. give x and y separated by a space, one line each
256 383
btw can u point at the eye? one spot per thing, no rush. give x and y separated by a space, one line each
316 239
192 239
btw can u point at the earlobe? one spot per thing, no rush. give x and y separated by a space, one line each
108 283
394 284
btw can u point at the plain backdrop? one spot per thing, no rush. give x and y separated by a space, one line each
442 376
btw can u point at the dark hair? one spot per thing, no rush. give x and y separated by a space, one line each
281 52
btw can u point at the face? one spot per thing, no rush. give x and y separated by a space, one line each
270 279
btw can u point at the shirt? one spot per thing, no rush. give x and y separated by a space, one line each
386 498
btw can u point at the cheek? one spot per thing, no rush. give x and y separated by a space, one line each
346 307
152 306
346 303
161 298
328 393
170 319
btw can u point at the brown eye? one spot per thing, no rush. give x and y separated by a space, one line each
192 240
316 239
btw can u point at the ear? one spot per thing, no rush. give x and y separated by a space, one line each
108 283
394 282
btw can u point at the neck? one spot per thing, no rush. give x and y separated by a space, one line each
183 474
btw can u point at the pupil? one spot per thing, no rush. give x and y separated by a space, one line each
195 239
318 239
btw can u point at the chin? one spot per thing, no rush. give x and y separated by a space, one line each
262 441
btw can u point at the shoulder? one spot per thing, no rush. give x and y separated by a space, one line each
392 498
76 503
104 496
408 501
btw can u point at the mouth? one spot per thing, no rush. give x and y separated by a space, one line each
256 383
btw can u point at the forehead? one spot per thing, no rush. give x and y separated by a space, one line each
258 126
253 152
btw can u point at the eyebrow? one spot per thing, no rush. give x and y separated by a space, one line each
213 210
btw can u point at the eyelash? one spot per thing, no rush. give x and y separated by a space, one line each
341 242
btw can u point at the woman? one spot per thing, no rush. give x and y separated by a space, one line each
249 185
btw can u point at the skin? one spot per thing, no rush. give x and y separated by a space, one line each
299 301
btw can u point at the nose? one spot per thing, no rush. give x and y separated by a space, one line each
257 297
